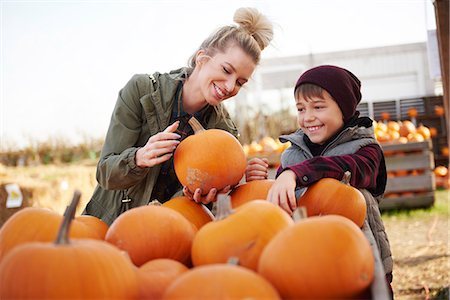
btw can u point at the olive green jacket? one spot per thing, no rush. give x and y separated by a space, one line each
143 108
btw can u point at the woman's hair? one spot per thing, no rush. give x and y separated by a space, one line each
253 33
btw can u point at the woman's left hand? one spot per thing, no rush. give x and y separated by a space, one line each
210 197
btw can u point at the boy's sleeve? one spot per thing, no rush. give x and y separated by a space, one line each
367 167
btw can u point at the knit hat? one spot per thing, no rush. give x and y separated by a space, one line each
340 83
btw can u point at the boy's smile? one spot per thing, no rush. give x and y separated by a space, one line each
320 118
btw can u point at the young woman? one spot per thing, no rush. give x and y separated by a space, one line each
151 114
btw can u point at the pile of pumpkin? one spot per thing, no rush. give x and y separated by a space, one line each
179 250
266 147
402 132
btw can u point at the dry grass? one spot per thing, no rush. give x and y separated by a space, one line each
49 186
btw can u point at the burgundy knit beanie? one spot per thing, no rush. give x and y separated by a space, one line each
340 83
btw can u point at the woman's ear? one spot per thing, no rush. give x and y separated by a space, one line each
200 57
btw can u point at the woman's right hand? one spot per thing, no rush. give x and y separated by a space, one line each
159 147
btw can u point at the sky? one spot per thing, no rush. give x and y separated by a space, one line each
64 62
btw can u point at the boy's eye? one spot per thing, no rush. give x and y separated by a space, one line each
240 83
300 109
226 70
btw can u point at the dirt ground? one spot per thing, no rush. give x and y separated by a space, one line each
421 251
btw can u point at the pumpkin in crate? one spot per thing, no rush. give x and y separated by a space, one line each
252 190
152 231
156 275
211 158
35 224
67 269
330 196
241 233
322 257
195 212
407 127
221 281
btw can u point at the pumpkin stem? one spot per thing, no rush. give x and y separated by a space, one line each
195 124
69 214
233 260
346 178
224 208
155 202
299 213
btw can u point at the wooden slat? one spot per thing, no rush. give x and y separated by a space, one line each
420 161
419 201
424 182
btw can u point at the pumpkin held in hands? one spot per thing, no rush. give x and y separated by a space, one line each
211 158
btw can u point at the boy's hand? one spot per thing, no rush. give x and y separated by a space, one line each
210 197
257 169
282 192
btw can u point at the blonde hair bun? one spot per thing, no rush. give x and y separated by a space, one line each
255 24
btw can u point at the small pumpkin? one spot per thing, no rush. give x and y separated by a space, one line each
211 158
96 224
35 224
242 233
322 257
150 232
330 196
78 269
221 281
156 275
252 190
197 213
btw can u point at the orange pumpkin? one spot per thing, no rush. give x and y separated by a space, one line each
406 128
197 213
220 281
80 269
424 131
252 190
208 159
150 232
96 224
441 171
330 196
156 275
243 233
33 224
323 257
439 110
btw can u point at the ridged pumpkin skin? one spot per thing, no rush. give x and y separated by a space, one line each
64 269
156 275
197 213
211 158
252 190
243 234
220 281
150 232
329 196
324 257
33 224
86 269
96 224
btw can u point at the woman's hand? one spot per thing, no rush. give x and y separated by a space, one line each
282 192
257 169
210 197
159 147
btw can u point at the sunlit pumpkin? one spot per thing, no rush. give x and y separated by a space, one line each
406 128
34 224
220 282
211 158
322 257
330 196
78 269
197 213
242 233
150 232
252 190
156 275
441 171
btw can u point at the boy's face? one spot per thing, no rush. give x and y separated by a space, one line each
319 117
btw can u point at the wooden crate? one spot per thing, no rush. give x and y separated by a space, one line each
411 182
